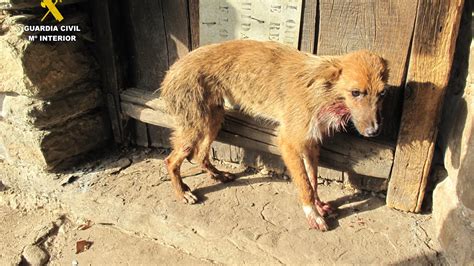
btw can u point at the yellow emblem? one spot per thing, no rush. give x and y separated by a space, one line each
52 9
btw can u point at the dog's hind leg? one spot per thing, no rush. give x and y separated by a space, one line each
204 145
183 147
311 160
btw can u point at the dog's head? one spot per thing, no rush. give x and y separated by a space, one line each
360 84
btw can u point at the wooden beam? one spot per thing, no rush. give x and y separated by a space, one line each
105 19
436 29
342 152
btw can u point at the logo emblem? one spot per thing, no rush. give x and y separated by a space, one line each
52 9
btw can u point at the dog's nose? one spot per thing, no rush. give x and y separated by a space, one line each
372 131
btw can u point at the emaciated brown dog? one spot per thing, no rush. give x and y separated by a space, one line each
309 96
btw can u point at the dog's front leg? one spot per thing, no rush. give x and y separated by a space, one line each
311 160
291 154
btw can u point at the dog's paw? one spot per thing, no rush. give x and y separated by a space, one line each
223 177
323 208
315 220
189 197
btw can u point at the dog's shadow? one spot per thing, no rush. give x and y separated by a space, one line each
201 192
344 206
365 202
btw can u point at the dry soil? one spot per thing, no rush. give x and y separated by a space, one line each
134 218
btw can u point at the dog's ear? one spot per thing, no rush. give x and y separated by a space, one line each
385 71
328 72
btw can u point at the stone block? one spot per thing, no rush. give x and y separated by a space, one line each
26 111
49 148
40 69
35 256
10 4
3 151
453 198
22 4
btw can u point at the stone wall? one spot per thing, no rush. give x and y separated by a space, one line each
453 198
50 98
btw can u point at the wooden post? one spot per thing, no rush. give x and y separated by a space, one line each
308 26
193 10
433 45
106 22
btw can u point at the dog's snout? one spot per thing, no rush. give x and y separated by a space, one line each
373 130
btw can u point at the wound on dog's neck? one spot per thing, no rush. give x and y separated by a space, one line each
333 117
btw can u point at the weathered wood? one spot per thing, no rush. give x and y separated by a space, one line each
175 14
159 136
176 33
385 27
156 40
278 21
106 23
193 9
140 134
147 43
308 26
382 26
431 58
343 152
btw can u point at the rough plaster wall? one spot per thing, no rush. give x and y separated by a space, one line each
453 198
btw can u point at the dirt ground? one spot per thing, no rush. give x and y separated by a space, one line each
122 204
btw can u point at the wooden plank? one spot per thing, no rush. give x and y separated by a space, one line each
193 9
431 58
178 43
159 136
308 26
140 134
343 152
278 21
385 27
382 26
149 46
147 43
175 14
106 23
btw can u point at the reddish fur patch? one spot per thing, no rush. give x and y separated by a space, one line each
338 109
334 116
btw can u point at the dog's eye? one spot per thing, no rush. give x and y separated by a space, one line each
382 93
356 93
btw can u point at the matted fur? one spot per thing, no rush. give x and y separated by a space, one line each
309 96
